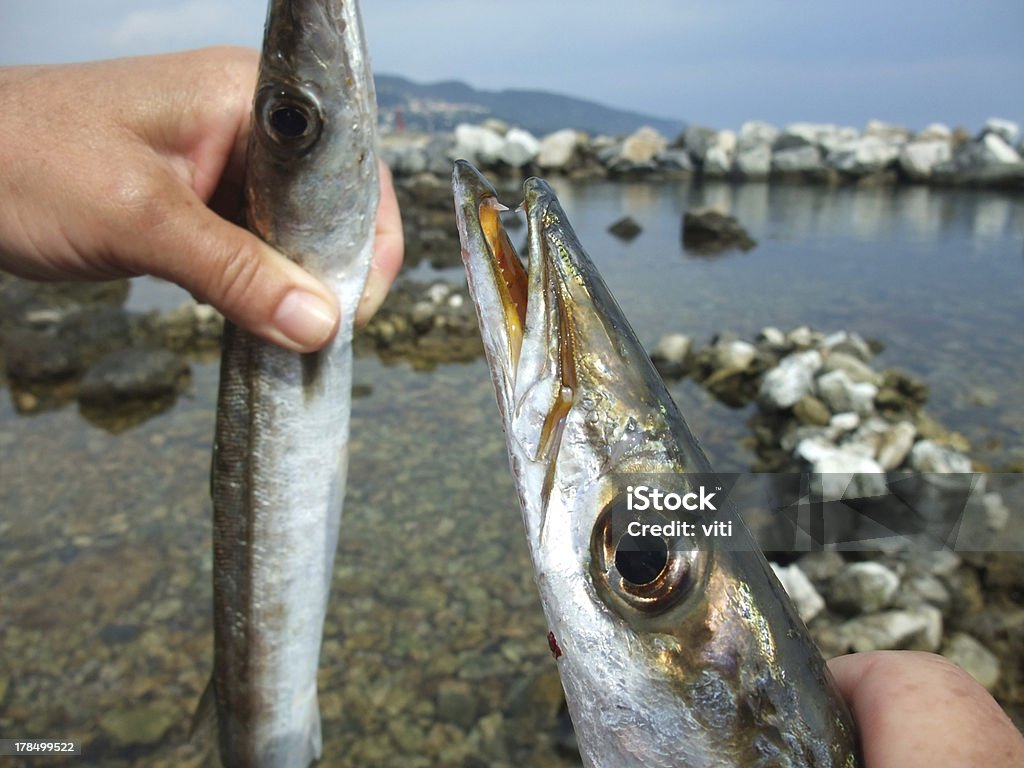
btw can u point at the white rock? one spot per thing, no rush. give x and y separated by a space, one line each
640 147
847 343
841 473
845 422
800 590
895 445
802 336
797 159
996 150
438 292
735 355
672 348
823 135
754 162
929 456
997 514
790 380
519 148
919 158
917 629
674 160
477 144
1007 130
853 367
841 393
772 336
888 132
974 658
756 133
863 588
935 132
867 154
496 124
718 159
557 149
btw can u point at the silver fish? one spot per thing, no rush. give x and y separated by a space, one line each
678 653
279 460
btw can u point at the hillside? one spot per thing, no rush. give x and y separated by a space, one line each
441 106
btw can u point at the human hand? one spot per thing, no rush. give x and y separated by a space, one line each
919 710
120 168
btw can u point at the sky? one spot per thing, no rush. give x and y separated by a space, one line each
713 62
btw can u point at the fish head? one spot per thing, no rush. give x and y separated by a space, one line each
311 150
670 644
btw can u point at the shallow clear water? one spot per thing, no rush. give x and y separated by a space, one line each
104 539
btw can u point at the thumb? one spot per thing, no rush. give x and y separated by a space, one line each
253 285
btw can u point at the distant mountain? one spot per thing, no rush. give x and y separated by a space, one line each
442 106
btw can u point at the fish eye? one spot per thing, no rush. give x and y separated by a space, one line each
289 118
633 566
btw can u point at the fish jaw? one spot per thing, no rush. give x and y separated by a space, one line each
706 664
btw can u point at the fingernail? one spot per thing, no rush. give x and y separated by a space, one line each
306 319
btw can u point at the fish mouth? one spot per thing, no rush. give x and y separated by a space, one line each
524 312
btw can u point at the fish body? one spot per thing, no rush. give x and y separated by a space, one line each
678 650
279 461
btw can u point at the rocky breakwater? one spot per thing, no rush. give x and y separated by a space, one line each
939 569
880 153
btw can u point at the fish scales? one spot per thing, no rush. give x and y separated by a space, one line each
280 448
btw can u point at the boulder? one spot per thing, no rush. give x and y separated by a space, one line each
478 144
919 158
847 343
865 155
1007 130
820 135
625 228
719 157
557 150
696 140
519 148
708 232
133 374
674 160
754 163
801 159
756 133
640 148
887 132
935 132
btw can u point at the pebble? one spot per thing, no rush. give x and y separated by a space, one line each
841 393
800 590
863 588
929 456
997 514
974 658
793 378
913 629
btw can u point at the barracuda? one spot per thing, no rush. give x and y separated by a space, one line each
279 462
688 653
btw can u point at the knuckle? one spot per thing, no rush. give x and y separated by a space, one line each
236 273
